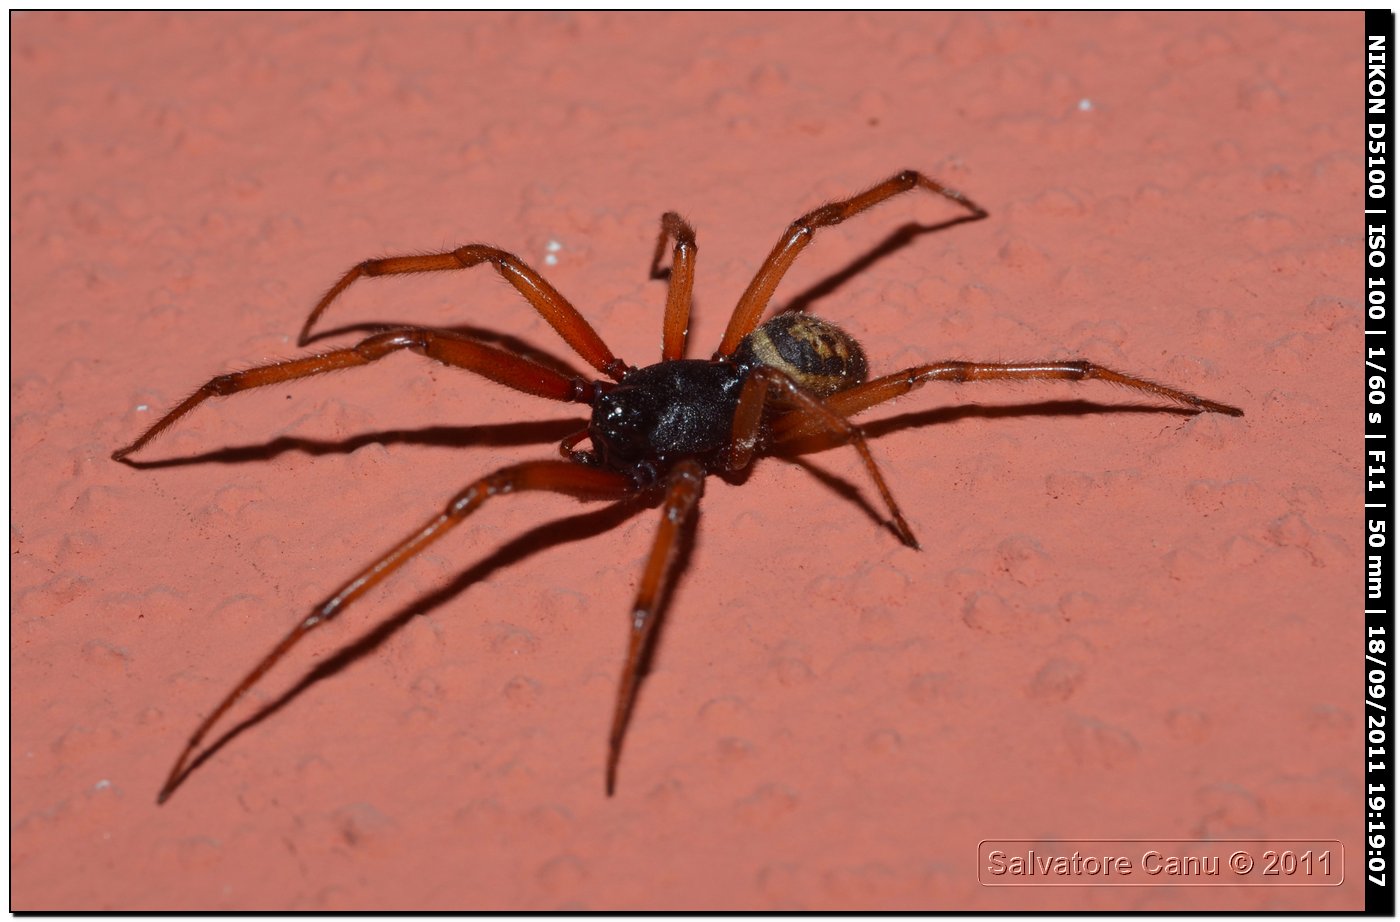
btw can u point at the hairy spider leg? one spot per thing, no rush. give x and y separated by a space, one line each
872 393
766 384
684 485
681 279
552 306
760 291
453 349
552 476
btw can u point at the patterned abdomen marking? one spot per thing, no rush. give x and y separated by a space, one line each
816 354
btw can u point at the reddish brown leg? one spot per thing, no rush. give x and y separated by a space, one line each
765 384
566 448
553 476
750 307
677 322
551 305
449 348
872 393
684 485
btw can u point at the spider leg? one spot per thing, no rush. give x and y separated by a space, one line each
799 234
681 280
554 476
552 306
685 484
500 366
566 449
766 383
872 393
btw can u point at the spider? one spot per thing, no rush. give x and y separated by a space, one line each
655 432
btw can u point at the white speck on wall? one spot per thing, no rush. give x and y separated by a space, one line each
142 408
551 248
104 783
1085 105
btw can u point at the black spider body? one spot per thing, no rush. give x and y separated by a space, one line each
665 412
675 410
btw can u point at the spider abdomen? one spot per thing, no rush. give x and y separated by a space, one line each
665 412
815 353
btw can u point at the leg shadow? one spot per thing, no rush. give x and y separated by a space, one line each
552 534
500 434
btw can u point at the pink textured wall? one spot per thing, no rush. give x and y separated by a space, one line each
1124 623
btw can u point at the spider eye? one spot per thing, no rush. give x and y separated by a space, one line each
621 414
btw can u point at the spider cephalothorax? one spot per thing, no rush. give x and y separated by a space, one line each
655 431
685 408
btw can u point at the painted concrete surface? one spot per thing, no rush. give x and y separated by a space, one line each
1124 622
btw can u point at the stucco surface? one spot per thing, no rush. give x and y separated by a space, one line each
1123 623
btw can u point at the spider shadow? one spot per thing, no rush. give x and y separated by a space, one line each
498 435
540 538
895 241
597 522
843 488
